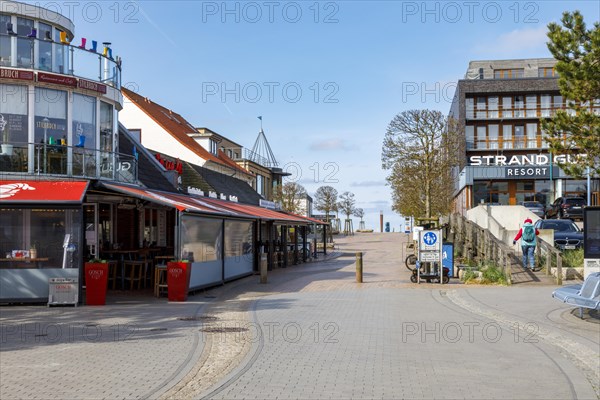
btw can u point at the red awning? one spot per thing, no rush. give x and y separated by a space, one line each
28 191
179 201
256 211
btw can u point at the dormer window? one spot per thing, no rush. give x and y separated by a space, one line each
213 146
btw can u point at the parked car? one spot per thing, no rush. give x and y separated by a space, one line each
567 235
566 207
535 207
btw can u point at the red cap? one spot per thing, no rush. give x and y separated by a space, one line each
528 220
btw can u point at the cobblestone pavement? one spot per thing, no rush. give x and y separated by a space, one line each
311 332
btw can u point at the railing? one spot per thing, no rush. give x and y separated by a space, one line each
248 154
551 254
60 58
525 142
480 245
71 161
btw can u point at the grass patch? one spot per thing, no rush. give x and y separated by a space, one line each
485 274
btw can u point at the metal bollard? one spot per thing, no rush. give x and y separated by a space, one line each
263 268
359 267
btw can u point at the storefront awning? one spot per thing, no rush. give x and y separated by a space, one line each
258 212
30 191
178 201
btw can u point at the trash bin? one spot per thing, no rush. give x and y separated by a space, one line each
96 282
178 280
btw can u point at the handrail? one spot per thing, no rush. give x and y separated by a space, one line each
71 161
550 251
62 58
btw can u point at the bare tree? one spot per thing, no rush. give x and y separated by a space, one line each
326 200
419 149
287 194
359 213
346 204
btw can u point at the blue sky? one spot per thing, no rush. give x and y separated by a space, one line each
327 77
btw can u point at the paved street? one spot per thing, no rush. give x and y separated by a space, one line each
311 332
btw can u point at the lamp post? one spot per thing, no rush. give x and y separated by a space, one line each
46 122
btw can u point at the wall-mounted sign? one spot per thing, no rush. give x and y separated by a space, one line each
16 74
170 165
89 85
56 79
529 172
526 159
194 190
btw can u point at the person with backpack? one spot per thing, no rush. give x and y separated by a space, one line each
527 234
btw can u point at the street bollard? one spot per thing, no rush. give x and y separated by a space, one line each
359 267
263 268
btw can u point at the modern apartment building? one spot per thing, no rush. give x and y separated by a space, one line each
499 105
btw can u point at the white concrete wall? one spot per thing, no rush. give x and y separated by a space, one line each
154 136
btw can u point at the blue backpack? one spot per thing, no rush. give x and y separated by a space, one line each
528 234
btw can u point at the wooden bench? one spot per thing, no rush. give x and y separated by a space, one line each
586 295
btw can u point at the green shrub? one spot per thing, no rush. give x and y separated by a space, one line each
494 275
469 275
572 258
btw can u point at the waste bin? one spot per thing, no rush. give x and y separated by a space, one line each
178 280
96 281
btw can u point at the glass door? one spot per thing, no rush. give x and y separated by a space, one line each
90 220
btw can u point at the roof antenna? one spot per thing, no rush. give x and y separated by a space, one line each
260 117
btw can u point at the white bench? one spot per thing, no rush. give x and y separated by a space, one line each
586 295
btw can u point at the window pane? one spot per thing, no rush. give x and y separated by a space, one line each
507 107
106 127
50 114
493 136
519 105
545 104
532 136
481 137
13 114
519 137
507 136
84 121
470 136
470 108
481 114
531 106
493 107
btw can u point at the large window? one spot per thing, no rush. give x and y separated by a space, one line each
493 136
50 115
106 127
532 136
201 238
24 44
260 184
519 106
531 105
493 107
469 135
43 229
519 137
481 107
547 72
238 248
508 73
13 114
507 111
44 47
481 137
545 105
84 121
5 48
470 108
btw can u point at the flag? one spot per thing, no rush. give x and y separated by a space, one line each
260 117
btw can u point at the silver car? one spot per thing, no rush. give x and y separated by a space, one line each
535 207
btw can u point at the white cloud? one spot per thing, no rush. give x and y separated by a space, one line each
515 43
367 184
332 144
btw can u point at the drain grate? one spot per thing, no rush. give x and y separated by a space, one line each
204 318
224 329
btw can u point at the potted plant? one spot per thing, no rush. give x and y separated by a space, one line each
96 281
7 147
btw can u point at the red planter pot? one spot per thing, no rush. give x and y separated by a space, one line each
178 280
96 279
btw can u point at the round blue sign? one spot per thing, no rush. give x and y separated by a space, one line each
429 238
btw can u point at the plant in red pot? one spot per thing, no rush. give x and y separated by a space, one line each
178 279
96 281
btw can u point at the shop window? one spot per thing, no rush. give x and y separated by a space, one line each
201 239
238 248
44 230
50 128
13 111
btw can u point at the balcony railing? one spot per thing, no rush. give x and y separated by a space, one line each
61 58
248 154
71 161
525 142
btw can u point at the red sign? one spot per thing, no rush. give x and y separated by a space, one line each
56 79
16 74
170 165
27 191
89 85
